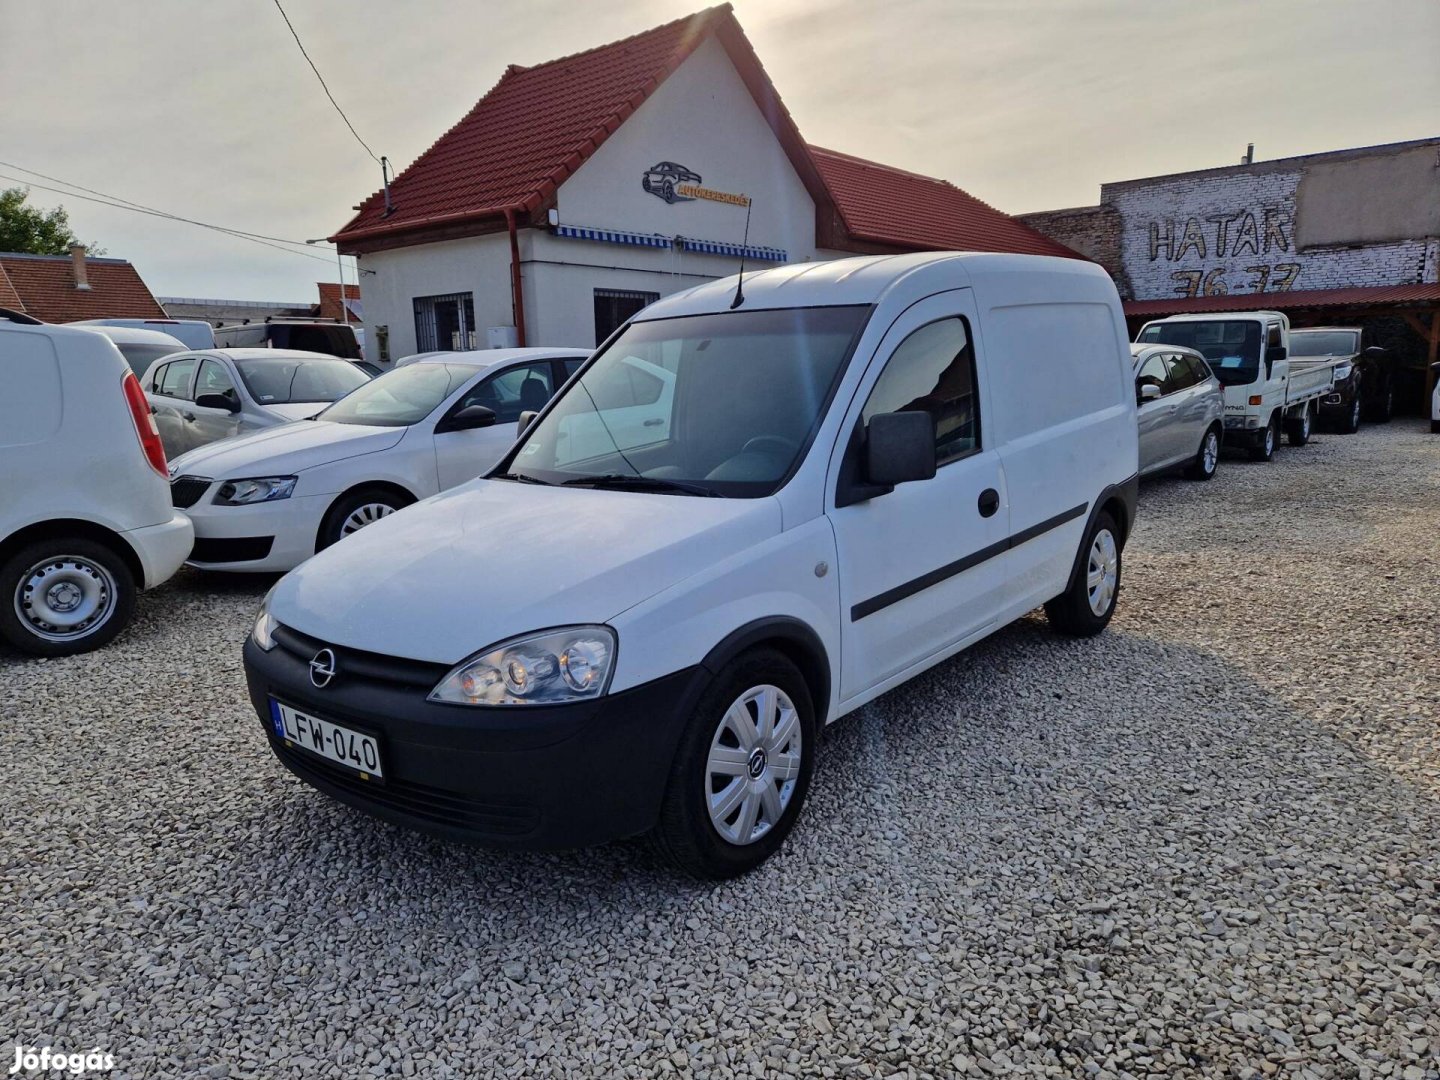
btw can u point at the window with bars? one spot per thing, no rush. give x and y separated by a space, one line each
614 306
445 323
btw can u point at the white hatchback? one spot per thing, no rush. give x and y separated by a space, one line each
269 500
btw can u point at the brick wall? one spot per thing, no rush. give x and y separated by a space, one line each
1091 230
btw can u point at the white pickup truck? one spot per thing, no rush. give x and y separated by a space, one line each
1249 353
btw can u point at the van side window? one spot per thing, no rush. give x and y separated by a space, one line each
176 380
1272 337
933 370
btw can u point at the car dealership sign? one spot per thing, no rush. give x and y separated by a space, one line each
674 183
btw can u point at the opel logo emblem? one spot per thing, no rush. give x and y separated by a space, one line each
322 668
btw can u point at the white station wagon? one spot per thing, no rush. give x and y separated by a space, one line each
858 469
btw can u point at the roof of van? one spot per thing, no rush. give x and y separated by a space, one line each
135 335
860 280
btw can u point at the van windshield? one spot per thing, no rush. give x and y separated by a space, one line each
281 380
719 404
1232 347
400 397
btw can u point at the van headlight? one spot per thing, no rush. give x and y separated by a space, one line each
264 630
572 664
254 490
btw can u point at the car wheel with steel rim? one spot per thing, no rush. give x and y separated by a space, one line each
1207 458
65 596
357 509
1350 423
1266 449
1298 429
1085 607
741 770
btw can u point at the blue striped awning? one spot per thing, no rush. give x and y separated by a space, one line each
738 251
612 236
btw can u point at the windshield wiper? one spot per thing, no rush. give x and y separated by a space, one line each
521 478
643 483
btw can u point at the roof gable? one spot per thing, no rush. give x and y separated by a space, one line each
45 285
539 124
892 208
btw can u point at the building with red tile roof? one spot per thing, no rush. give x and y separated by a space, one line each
578 190
329 306
67 288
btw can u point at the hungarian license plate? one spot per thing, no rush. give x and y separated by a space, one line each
353 749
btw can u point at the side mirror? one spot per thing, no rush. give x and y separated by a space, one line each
1147 392
218 401
468 419
899 448
526 419
1279 352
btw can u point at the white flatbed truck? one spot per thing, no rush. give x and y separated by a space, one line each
1249 353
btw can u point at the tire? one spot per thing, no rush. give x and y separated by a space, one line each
1207 458
64 596
1383 408
1084 609
1350 422
1266 450
356 509
1297 432
704 844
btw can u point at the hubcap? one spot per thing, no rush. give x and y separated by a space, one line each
753 765
364 515
1211 451
1103 572
1270 439
64 598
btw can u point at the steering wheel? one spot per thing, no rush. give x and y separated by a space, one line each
771 444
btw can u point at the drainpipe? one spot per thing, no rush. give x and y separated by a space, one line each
517 285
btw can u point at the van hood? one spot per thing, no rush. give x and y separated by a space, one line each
491 559
283 450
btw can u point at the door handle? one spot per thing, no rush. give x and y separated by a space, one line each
989 502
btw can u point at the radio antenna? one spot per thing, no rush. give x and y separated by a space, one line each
744 244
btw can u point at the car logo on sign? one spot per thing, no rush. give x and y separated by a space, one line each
322 668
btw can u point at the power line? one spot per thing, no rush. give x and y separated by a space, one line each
136 209
322 83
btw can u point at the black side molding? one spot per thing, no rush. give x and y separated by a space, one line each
959 566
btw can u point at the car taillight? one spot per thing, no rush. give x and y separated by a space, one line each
144 423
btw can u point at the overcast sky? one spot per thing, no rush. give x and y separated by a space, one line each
207 110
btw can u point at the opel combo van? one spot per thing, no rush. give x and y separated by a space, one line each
758 506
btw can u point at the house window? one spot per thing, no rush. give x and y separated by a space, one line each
614 306
445 323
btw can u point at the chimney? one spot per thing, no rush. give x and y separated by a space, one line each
77 260
1249 158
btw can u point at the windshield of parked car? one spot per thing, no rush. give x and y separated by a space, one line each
400 397
140 357
1324 343
284 380
720 404
1231 347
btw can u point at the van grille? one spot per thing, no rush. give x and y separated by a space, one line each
185 491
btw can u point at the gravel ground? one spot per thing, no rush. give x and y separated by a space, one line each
1203 844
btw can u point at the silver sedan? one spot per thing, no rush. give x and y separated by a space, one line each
1181 407
199 397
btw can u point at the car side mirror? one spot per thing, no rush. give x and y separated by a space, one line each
1279 352
469 418
526 419
1147 392
218 401
899 448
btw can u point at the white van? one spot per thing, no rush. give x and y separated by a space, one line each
85 514
195 333
138 346
867 465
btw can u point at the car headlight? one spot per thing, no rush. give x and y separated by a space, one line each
265 624
254 490
573 664
1342 371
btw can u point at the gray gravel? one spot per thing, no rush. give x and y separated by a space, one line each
1201 845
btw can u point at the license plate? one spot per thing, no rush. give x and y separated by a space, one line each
353 749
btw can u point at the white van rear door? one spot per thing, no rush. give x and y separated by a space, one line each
918 565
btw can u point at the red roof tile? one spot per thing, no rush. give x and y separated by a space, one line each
889 206
1364 296
330 299
46 286
533 129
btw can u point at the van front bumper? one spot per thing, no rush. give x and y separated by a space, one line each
535 777
162 548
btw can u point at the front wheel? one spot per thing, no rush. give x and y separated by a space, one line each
1085 607
1207 458
64 596
1298 430
742 769
354 511
1265 449
1350 422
